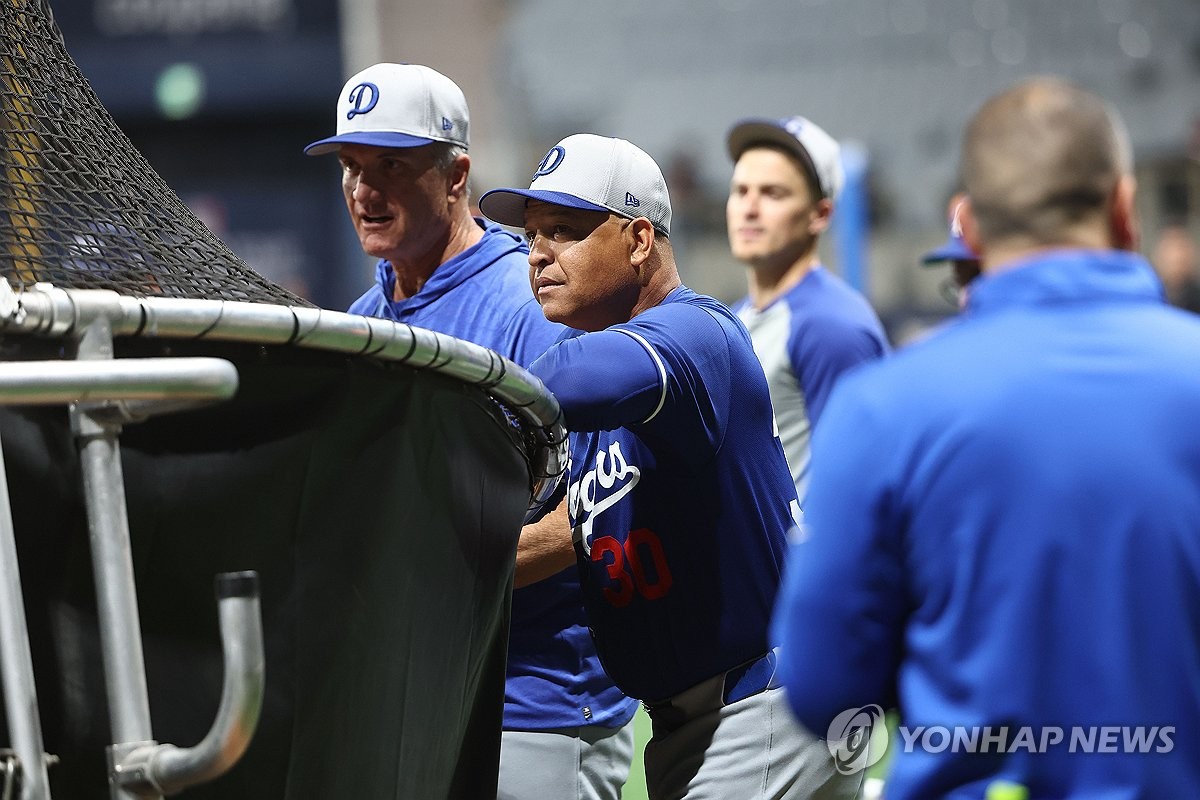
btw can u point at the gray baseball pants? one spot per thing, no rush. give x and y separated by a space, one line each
587 763
752 749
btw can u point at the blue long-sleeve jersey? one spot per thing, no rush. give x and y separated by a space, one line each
679 494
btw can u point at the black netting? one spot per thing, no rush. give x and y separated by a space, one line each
80 207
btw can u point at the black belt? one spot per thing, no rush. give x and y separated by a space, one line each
744 680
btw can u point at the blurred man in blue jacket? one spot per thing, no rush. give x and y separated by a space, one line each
1003 526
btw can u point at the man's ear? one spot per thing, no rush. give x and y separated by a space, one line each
820 220
641 240
1123 224
456 178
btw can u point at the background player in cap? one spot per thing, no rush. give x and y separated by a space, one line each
679 498
402 141
808 325
1002 519
964 264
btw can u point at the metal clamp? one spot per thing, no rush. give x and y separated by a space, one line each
10 772
10 767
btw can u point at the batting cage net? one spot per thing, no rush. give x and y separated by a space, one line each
375 477
79 205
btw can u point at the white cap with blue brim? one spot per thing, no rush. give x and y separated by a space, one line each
586 171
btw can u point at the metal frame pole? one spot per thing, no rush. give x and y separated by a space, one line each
16 662
116 594
112 561
112 568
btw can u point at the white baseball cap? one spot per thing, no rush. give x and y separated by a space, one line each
592 172
816 149
398 105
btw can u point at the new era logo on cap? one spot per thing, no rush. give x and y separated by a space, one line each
398 105
592 172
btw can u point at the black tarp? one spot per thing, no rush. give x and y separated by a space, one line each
380 506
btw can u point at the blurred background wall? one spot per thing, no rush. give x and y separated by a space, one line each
222 95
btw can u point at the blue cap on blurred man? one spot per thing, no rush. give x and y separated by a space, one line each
954 248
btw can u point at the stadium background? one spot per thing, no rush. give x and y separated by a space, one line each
222 95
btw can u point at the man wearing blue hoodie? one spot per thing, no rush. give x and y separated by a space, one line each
1002 536
402 141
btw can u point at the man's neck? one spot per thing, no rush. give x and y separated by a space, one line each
766 284
1004 255
411 276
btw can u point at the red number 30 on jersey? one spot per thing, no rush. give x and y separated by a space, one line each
627 566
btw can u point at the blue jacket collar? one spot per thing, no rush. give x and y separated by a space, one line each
495 244
1066 276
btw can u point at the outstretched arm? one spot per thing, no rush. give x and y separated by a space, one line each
604 380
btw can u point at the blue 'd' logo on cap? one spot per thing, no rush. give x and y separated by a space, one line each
551 162
794 125
362 99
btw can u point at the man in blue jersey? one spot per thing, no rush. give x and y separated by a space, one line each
679 498
402 140
808 325
1002 536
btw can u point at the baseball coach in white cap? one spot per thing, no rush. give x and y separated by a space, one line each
678 500
402 141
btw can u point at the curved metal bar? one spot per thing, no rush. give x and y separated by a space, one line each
167 769
59 312
49 311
